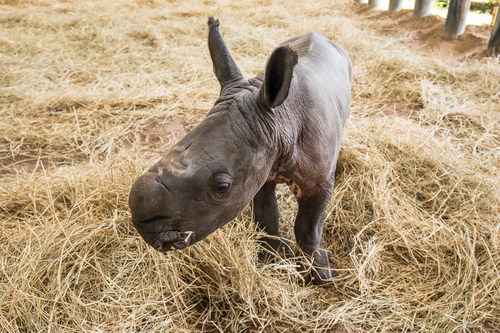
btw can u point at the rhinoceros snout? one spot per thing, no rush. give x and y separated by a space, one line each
147 198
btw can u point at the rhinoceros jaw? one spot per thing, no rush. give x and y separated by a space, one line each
172 240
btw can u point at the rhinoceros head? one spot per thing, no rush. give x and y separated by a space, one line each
213 172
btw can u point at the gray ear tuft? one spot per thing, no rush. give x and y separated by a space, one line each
278 76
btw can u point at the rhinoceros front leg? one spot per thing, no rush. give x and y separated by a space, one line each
265 210
309 229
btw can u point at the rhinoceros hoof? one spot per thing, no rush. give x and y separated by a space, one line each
274 248
320 271
319 276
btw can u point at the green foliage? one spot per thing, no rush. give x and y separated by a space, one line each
442 3
483 9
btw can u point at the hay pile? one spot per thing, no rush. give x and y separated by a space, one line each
93 93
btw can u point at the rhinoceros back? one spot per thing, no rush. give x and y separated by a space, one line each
318 103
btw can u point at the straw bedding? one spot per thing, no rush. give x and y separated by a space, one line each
92 93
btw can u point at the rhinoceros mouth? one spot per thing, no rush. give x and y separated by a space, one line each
166 240
172 240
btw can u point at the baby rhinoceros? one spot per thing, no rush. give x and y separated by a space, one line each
284 125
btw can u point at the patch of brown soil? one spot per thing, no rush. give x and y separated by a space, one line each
162 133
425 35
26 163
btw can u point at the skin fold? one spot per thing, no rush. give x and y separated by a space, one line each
284 125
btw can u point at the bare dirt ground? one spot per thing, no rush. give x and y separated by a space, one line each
424 36
93 92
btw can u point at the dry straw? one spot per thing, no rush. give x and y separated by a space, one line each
91 93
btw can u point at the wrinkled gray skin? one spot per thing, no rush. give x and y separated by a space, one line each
281 126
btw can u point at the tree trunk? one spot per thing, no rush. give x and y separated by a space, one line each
374 4
395 6
455 20
494 43
422 8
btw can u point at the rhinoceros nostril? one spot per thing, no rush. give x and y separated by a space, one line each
159 181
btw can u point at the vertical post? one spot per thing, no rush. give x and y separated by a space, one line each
395 6
494 12
494 43
422 8
455 20
374 4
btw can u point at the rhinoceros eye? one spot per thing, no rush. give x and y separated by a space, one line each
223 188
221 183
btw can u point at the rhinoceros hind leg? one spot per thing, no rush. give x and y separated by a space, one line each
265 210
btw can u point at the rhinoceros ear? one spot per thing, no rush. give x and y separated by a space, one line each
278 76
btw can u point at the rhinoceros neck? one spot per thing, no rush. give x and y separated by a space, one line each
238 123
249 123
